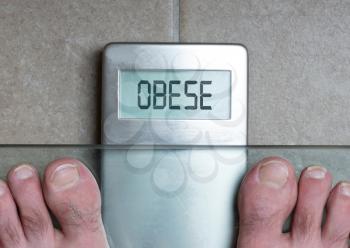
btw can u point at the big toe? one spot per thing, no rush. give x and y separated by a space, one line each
267 196
72 194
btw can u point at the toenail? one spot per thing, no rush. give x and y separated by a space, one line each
65 176
316 172
345 189
23 172
273 174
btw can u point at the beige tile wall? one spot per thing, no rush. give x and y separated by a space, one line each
50 59
299 63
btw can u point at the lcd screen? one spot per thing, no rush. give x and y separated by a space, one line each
175 94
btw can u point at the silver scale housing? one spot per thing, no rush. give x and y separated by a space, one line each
172 183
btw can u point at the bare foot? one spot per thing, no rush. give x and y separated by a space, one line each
71 193
268 195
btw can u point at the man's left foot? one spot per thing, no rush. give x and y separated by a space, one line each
270 192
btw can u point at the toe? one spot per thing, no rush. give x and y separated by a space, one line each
266 198
337 226
25 186
11 233
73 196
314 187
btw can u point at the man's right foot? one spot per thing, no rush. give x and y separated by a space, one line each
71 193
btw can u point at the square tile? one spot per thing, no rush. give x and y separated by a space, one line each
50 60
299 57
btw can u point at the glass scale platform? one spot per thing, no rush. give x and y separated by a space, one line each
163 186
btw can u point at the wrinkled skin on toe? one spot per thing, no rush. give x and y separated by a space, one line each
270 192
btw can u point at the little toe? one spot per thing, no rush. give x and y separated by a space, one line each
336 229
73 195
266 198
25 186
11 233
314 187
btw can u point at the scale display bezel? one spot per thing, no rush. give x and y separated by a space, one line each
141 56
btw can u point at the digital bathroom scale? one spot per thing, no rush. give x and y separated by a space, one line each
178 113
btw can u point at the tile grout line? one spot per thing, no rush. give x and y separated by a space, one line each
176 21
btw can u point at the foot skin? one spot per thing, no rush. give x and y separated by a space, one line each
268 195
68 190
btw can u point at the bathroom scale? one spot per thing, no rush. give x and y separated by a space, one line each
176 115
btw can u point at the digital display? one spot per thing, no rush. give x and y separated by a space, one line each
175 94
